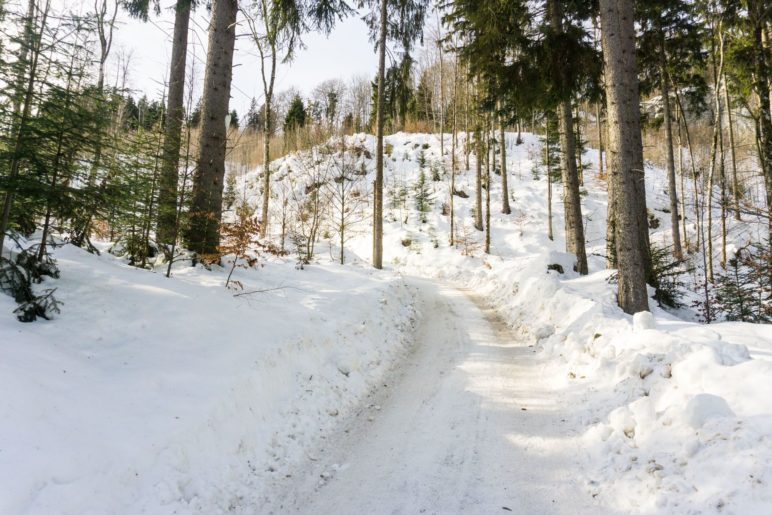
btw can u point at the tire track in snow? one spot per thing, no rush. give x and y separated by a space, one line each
449 433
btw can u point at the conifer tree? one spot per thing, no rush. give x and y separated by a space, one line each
405 29
203 234
626 154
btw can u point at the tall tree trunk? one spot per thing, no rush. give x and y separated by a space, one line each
671 176
453 158
548 164
206 207
599 124
504 186
479 156
578 138
467 145
735 181
378 192
267 151
626 154
175 112
572 201
680 173
488 153
442 86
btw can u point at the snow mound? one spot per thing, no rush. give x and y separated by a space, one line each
703 407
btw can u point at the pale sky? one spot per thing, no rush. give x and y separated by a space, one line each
345 53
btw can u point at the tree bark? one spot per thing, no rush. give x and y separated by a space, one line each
671 178
626 154
549 180
378 191
572 202
175 112
735 182
599 125
478 213
206 209
488 153
504 186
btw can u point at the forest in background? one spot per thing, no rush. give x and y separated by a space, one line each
681 84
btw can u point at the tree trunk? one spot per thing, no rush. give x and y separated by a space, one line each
549 180
735 182
442 88
175 112
626 154
378 192
601 174
206 208
671 178
488 153
266 158
571 199
479 156
680 173
504 186
453 158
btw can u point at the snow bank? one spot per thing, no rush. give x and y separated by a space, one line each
155 395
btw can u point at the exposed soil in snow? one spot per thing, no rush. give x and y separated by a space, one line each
467 425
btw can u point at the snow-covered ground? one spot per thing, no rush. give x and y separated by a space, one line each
162 395
155 395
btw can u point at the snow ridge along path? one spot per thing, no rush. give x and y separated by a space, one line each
465 425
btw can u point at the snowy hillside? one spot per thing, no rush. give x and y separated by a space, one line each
156 395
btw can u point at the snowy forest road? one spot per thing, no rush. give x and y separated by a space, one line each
465 425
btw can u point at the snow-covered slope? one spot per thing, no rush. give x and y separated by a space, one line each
155 395
172 396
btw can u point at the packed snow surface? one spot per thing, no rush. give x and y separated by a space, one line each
491 384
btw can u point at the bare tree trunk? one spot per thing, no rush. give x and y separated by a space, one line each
467 147
601 174
175 112
735 182
453 159
442 87
578 152
488 189
571 198
378 191
479 156
504 186
626 153
680 172
206 208
671 178
547 162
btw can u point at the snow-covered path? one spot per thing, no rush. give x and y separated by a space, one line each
466 425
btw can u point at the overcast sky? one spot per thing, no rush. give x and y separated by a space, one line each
345 53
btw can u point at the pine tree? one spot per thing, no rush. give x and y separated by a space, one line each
167 207
203 235
626 152
410 17
423 197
